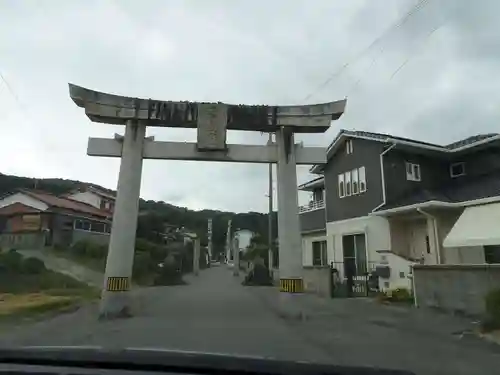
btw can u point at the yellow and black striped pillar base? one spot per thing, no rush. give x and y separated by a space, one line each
292 285
118 284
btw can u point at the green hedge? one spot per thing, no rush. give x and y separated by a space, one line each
492 304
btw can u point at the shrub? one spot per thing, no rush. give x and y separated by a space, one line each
96 251
79 248
395 295
142 264
401 295
33 266
492 304
11 261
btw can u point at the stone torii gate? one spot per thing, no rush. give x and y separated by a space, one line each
211 120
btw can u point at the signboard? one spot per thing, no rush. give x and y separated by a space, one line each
212 123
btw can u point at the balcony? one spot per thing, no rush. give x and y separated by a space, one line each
312 205
312 216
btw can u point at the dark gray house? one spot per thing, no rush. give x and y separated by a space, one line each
386 200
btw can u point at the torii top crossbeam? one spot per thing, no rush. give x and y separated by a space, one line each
115 109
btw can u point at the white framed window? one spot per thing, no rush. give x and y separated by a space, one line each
362 179
355 181
457 169
413 172
319 253
341 186
82 225
348 146
348 190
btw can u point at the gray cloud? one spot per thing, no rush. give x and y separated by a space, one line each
240 52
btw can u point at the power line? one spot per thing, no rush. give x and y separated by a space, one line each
408 58
413 10
9 87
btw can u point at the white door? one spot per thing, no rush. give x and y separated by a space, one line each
420 242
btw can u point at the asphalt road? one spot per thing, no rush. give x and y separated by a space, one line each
214 313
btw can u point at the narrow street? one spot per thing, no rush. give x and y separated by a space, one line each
214 313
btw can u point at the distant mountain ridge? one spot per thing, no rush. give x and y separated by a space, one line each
154 213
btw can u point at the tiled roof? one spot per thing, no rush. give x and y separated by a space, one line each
470 140
382 136
461 189
65 203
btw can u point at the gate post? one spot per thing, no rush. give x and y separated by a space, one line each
115 299
290 244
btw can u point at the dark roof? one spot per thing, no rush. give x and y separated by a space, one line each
461 189
470 140
382 136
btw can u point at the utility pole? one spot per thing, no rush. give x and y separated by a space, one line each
228 241
210 239
270 215
236 255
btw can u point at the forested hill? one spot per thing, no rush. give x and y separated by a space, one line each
155 214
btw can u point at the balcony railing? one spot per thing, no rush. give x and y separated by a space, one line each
311 206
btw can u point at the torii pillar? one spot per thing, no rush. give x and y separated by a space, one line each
212 120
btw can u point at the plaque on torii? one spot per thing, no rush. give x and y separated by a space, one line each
212 120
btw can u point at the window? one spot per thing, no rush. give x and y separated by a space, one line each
362 179
352 182
355 181
82 225
412 172
348 183
457 169
98 227
319 253
348 146
492 254
341 186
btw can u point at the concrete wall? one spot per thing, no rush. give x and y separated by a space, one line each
97 238
307 240
455 288
22 241
317 280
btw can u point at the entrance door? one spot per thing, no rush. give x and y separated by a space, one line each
420 242
355 264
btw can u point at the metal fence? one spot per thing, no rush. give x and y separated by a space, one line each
349 279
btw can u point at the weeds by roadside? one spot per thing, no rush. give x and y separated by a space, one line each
399 295
27 288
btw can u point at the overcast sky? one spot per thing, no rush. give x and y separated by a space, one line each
435 78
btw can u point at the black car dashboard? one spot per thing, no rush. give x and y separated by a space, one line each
93 361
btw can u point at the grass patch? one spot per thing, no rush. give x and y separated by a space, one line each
95 264
28 289
34 304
